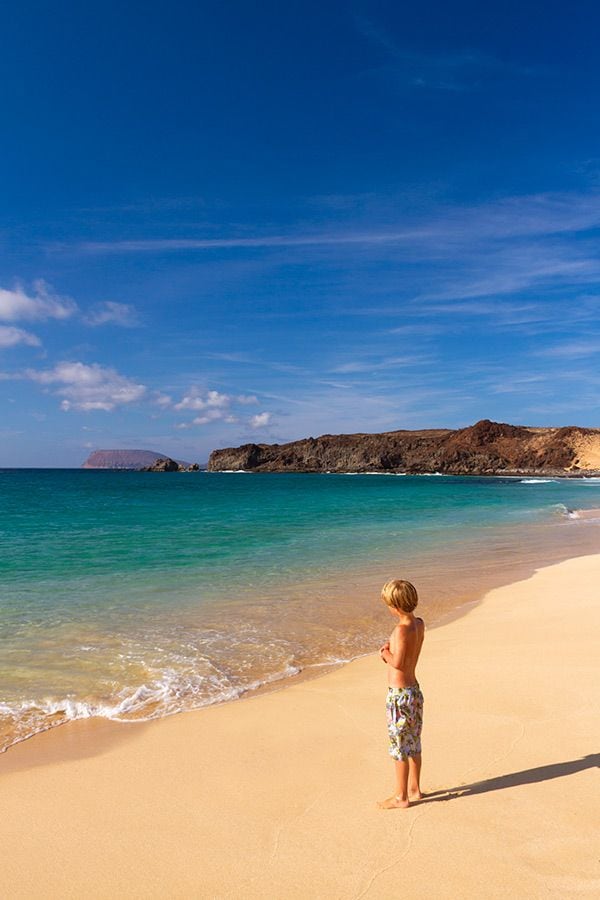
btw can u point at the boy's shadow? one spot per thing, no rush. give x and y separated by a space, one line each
527 776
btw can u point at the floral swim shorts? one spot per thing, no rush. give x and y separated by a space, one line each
404 708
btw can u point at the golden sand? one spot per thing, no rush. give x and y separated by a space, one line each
274 797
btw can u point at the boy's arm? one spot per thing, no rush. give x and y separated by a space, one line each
397 659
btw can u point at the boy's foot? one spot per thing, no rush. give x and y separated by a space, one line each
394 802
415 795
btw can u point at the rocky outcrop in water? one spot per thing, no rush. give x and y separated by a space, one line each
163 464
486 448
166 464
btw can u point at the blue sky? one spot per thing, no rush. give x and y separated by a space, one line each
236 222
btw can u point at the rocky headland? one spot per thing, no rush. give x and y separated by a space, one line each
486 448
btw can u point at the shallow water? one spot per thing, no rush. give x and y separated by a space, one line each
135 595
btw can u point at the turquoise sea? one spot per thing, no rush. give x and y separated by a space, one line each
136 595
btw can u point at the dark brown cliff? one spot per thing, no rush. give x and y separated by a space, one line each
486 448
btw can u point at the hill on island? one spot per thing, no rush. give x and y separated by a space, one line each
124 459
486 448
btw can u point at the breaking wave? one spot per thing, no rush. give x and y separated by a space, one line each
539 481
163 697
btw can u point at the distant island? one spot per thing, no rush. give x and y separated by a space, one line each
137 460
486 448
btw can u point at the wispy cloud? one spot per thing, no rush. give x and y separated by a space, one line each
572 349
489 272
418 329
375 364
164 400
459 71
242 358
112 313
538 379
211 415
166 245
246 359
446 234
11 337
42 303
365 405
511 383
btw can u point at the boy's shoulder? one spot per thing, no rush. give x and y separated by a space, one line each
407 627
415 620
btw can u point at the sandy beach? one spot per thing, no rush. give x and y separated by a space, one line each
275 796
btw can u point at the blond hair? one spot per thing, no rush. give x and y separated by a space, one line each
400 595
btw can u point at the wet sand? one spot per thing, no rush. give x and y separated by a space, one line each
275 796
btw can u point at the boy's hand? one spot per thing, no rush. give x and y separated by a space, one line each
382 650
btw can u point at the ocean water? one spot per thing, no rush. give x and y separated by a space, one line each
136 595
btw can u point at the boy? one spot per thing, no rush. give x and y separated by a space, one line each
404 703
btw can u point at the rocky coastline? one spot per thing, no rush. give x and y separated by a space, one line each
486 448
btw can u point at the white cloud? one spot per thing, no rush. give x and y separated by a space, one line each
197 401
214 398
89 387
17 305
213 407
191 402
111 313
11 336
261 420
162 399
211 415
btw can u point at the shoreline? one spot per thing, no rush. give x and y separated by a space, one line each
438 612
240 799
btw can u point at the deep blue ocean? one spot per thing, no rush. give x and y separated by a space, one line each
135 595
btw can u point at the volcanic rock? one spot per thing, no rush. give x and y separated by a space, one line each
164 464
486 448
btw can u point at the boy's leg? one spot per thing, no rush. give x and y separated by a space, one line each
408 774
414 777
399 800
402 768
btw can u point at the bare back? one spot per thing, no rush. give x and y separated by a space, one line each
406 641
